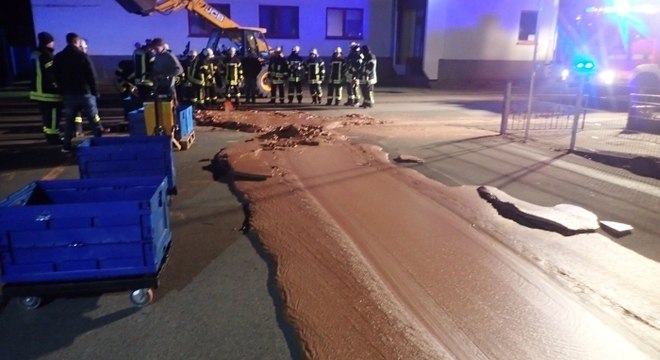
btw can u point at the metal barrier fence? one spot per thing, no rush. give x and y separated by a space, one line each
552 121
548 112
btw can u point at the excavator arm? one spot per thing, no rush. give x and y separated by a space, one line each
200 7
246 38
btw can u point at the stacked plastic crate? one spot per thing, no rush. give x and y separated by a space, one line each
108 231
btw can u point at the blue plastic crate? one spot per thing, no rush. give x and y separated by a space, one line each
136 122
69 230
184 121
127 156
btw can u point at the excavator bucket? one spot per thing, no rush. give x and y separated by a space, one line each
140 7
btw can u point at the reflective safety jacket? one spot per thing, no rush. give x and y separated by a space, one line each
353 66
199 71
315 70
368 70
337 69
125 76
232 71
212 72
277 70
296 67
43 85
143 62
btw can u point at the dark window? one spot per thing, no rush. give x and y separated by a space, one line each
343 23
200 27
527 30
281 22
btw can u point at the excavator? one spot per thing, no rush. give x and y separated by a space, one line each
244 38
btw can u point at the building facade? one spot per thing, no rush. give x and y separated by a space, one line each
436 40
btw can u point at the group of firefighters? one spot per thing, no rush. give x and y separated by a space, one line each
204 74
67 82
357 70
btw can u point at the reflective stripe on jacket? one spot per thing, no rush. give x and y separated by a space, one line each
43 86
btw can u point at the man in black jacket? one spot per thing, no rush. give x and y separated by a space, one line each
75 76
251 69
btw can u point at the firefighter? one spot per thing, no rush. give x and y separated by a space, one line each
213 79
44 89
125 78
232 75
296 71
197 76
251 69
336 80
277 72
353 65
368 77
143 60
184 87
315 75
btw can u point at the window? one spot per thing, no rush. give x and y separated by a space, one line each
343 23
527 30
200 27
280 21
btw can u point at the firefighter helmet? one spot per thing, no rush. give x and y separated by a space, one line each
207 53
338 50
232 51
296 49
314 52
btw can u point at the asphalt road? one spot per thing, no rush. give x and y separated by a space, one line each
217 298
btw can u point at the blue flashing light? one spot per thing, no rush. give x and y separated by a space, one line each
584 66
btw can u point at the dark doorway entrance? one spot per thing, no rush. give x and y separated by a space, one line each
17 39
409 35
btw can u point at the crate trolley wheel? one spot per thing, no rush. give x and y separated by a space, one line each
142 297
29 302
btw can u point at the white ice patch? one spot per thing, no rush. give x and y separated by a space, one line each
564 218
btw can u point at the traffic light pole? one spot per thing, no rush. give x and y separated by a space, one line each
578 113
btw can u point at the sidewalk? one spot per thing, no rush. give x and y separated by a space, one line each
605 139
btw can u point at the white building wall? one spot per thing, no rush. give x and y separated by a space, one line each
484 31
111 30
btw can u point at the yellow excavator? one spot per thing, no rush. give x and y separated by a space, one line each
244 38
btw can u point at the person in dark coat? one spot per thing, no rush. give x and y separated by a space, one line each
165 69
251 69
76 79
44 89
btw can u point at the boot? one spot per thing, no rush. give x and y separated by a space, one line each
329 102
291 100
272 101
349 102
336 102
